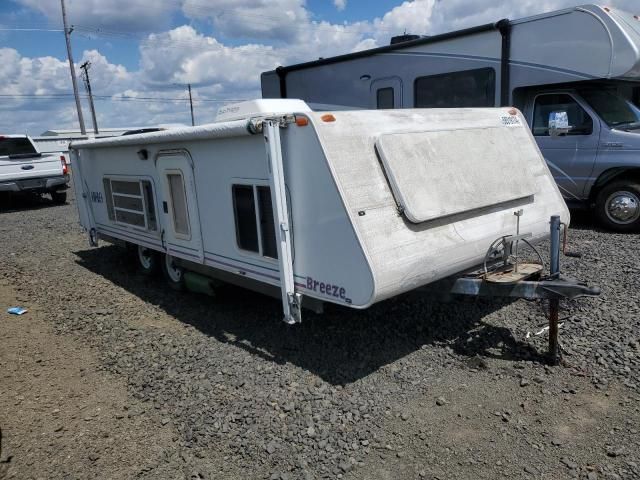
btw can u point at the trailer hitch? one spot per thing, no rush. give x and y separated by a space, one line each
509 277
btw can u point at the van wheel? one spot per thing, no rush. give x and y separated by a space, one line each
59 198
618 206
173 273
148 260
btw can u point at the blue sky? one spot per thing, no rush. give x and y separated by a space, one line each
143 52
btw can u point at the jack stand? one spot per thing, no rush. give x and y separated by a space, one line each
500 277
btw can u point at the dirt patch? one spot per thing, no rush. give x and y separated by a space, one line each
61 416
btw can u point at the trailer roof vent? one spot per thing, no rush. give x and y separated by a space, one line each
406 37
260 108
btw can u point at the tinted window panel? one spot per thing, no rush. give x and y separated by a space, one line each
267 226
468 89
136 219
129 203
15 146
384 98
245 213
128 188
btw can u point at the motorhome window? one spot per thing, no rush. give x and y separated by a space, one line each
579 120
178 198
615 110
384 98
244 206
130 202
470 88
267 227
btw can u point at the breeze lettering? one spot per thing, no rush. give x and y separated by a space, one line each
326 288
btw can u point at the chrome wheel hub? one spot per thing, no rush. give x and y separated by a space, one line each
175 272
145 256
623 208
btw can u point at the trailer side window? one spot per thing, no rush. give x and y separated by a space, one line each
245 212
255 230
384 98
579 120
130 202
470 88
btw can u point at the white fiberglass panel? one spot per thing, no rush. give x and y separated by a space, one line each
441 173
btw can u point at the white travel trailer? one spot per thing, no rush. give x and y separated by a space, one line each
348 207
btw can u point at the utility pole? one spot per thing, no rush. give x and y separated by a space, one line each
85 67
193 122
67 37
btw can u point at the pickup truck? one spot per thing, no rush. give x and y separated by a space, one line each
24 169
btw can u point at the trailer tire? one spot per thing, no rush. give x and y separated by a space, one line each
173 273
59 198
148 260
618 206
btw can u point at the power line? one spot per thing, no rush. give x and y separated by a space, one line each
31 30
63 96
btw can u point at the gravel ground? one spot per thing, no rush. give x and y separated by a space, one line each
219 388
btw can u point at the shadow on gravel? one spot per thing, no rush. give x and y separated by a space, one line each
18 202
584 220
340 345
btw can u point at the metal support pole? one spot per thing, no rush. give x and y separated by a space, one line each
67 37
193 122
291 300
554 304
87 83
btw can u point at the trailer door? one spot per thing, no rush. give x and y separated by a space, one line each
180 220
386 93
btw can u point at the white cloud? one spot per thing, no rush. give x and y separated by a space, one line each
282 32
257 19
129 15
340 4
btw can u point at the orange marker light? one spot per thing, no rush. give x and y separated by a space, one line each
328 118
302 121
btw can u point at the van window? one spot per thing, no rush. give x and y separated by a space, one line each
178 197
615 110
470 88
384 98
130 202
579 120
255 229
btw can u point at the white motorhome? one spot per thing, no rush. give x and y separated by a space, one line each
582 61
348 207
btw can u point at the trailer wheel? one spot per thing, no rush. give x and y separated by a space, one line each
59 198
173 273
148 260
618 206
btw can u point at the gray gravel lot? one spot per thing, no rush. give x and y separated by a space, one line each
411 388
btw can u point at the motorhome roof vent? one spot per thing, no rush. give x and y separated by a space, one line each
260 108
406 37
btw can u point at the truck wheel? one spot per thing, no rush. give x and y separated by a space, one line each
59 198
173 273
148 260
618 206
